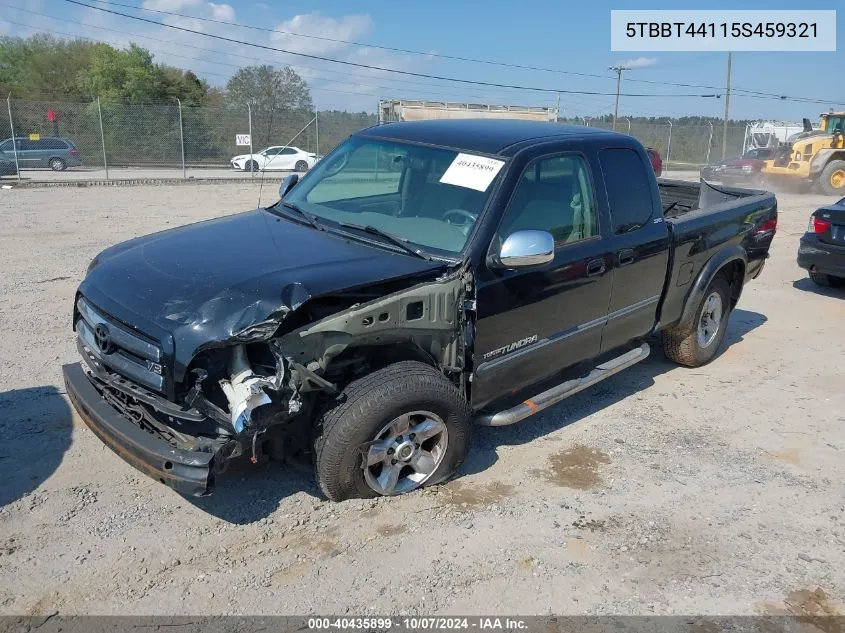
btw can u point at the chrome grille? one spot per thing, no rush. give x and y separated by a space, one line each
119 348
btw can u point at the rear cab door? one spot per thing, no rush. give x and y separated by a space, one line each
639 242
534 322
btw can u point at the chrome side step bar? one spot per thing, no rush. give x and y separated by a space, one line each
564 390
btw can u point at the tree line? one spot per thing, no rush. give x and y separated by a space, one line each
66 88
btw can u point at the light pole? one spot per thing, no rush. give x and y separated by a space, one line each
618 70
727 109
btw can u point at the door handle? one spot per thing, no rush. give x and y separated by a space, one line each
625 256
595 267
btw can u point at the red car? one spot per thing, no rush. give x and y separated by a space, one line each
739 169
656 161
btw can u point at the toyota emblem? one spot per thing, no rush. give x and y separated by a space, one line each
103 339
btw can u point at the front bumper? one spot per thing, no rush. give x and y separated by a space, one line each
188 472
820 257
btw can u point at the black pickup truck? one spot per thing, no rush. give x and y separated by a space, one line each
422 277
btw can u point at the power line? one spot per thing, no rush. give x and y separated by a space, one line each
350 42
311 87
381 68
344 74
430 54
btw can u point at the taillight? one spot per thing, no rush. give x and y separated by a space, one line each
74 152
818 225
769 226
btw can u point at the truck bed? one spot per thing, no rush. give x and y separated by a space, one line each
680 197
706 220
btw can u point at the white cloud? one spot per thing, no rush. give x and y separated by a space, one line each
348 27
170 5
223 12
639 62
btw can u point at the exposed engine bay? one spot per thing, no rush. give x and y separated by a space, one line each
258 397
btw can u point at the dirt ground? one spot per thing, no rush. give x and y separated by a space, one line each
717 490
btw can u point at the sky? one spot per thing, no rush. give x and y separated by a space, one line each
564 37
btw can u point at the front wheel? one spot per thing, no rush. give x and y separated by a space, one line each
395 430
251 165
698 345
833 178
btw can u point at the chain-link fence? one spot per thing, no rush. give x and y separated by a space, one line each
683 146
106 140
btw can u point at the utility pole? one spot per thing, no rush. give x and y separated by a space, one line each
727 110
618 70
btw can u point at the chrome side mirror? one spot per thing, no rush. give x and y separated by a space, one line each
287 184
527 248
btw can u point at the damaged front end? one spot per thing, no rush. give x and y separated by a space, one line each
259 392
268 392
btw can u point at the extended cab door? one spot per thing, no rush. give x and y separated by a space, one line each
639 242
533 322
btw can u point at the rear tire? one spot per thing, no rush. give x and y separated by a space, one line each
370 404
301 165
833 178
57 164
699 344
827 281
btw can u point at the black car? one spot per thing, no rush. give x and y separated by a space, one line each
368 317
822 249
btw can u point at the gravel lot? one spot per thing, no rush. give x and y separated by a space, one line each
717 490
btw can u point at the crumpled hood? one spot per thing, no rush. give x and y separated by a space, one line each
232 278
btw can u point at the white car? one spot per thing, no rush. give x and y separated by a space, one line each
279 157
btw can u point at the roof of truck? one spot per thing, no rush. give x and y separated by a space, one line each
485 136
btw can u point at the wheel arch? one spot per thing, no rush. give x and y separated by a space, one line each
731 262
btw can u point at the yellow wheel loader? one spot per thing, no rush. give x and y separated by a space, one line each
815 156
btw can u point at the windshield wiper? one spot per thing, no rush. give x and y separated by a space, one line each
303 214
393 239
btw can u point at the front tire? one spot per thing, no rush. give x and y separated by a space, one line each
833 178
698 345
250 165
390 432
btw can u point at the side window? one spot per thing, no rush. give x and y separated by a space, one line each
6 146
628 187
52 143
287 151
556 195
26 144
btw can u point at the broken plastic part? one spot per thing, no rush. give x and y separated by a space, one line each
244 390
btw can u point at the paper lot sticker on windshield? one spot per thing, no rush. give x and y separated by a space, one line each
472 172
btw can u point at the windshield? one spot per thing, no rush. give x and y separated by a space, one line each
430 197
